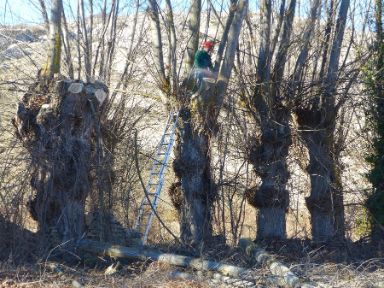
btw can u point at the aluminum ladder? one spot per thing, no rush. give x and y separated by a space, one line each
156 178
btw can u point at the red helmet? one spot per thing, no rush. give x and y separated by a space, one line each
208 44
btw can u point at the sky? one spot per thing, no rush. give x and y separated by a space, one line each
28 11
18 11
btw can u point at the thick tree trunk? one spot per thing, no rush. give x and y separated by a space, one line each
58 125
269 159
194 192
325 203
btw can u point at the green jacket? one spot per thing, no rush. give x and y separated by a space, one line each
203 60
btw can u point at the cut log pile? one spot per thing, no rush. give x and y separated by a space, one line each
230 274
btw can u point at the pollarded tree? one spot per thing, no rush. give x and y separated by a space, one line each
317 122
194 191
270 103
59 122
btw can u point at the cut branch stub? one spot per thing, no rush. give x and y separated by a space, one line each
100 96
76 88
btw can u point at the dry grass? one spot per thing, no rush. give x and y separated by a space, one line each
133 275
369 273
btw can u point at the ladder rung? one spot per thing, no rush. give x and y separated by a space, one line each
150 190
151 193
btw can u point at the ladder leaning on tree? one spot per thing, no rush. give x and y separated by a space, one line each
156 178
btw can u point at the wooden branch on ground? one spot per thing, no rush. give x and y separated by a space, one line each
230 274
116 251
287 277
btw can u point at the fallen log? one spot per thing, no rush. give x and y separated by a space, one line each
117 251
282 272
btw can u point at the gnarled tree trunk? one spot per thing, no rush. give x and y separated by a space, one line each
194 191
326 200
58 123
269 159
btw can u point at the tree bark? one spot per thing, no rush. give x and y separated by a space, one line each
116 251
57 123
53 65
269 159
194 192
285 277
67 47
44 13
194 31
153 11
326 200
172 56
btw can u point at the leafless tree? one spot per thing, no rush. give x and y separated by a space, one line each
194 191
269 154
317 121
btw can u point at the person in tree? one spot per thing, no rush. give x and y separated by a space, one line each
202 67
203 57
